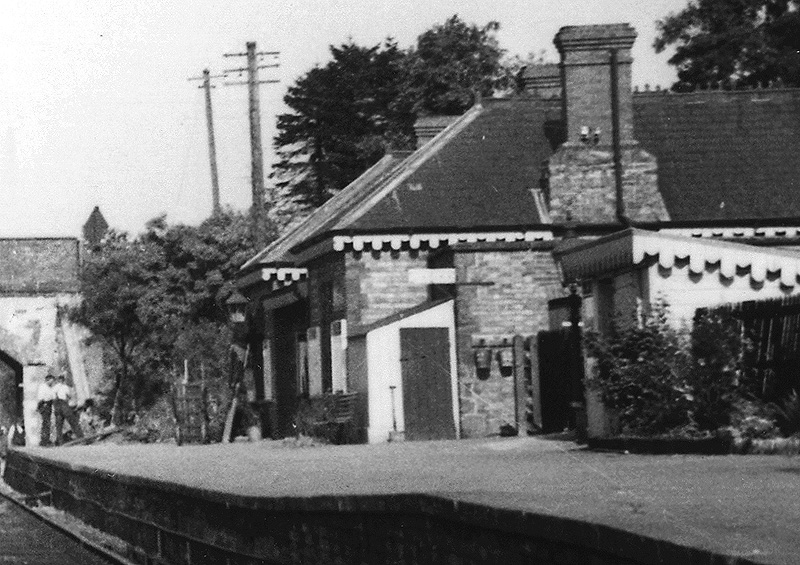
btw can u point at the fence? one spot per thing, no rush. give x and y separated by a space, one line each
773 327
190 410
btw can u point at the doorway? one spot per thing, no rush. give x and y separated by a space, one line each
427 392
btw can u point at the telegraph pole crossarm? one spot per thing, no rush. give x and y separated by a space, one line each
260 54
241 70
241 82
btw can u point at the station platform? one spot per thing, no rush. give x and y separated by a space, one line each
505 500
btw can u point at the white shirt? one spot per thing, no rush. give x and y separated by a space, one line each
45 393
62 392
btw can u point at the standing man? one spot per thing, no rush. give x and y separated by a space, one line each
45 396
62 406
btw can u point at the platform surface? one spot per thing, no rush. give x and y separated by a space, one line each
747 506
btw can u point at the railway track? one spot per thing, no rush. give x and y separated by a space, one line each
29 536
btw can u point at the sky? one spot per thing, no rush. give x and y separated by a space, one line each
96 108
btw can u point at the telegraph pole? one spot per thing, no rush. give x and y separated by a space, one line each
212 148
256 156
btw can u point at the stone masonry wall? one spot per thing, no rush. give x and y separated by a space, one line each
515 304
583 186
377 284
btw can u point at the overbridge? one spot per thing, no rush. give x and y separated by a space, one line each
38 283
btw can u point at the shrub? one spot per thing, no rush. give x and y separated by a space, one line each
718 376
660 379
641 374
788 414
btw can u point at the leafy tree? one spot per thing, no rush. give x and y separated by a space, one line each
201 262
345 114
748 42
147 300
453 63
114 281
343 117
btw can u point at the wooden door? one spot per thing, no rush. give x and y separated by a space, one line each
427 393
554 379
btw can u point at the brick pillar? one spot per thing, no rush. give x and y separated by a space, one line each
581 172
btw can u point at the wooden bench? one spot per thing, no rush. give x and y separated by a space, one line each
339 412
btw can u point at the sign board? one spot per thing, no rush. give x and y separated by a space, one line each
432 276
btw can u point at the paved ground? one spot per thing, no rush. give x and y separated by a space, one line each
26 540
740 505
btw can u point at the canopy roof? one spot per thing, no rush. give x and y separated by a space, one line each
632 247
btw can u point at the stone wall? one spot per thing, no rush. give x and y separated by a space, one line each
583 186
361 287
377 284
515 303
180 525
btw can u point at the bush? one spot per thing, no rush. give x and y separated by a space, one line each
660 379
641 374
788 415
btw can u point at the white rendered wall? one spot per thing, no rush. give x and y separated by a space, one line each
34 333
686 292
384 370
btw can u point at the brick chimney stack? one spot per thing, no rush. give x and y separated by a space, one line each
428 127
586 79
591 180
543 79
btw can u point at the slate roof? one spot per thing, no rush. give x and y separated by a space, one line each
724 154
477 173
482 178
278 251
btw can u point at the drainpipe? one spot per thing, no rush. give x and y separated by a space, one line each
615 135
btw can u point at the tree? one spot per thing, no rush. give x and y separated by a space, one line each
346 114
747 42
201 262
147 298
114 281
452 64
